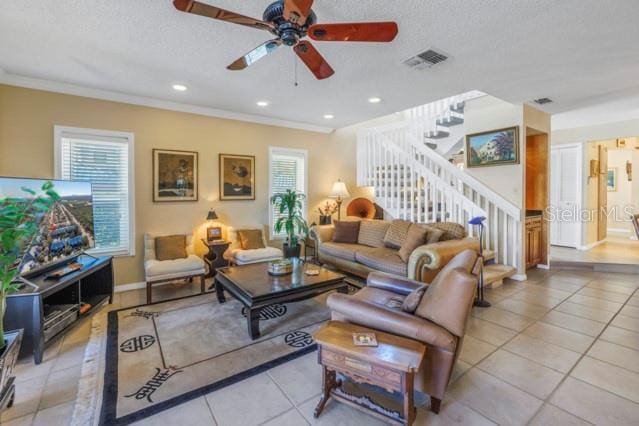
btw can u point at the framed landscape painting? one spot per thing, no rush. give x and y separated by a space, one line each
237 177
494 148
611 179
175 176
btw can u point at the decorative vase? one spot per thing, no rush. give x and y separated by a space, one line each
326 220
291 252
8 357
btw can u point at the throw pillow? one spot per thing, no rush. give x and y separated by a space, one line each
170 247
372 233
396 233
434 234
413 299
416 237
452 230
251 239
346 232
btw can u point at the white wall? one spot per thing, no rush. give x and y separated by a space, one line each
618 224
489 113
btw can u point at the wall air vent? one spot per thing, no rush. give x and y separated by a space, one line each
542 101
426 59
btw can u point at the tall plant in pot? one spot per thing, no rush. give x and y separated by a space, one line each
18 226
291 221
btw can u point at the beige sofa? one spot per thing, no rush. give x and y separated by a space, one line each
371 254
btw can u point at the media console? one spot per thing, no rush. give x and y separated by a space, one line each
45 307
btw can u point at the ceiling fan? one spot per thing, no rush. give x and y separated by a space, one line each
291 21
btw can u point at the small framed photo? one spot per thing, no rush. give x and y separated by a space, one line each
213 233
612 179
364 339
175 176
493 148
237 177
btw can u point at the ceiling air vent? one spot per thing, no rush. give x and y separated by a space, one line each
542 101
426 59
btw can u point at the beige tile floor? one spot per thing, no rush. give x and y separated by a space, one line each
614 250
561 348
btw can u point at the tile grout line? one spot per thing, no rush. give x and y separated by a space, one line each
582 356
293 405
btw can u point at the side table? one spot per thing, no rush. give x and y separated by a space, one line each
391 365
215 257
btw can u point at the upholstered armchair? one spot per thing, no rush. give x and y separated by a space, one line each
236 255
161 271
435 314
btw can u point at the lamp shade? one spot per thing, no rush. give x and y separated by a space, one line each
339 190
479 220
212 215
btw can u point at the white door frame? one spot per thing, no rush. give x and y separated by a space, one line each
580 189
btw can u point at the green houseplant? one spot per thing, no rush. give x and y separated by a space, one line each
292 221
18 225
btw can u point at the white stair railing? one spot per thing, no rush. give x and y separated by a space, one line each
414 182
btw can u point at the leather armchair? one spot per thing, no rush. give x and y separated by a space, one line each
439 320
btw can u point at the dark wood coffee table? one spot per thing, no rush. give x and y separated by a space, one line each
256 289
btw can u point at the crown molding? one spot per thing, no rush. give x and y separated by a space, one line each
87 92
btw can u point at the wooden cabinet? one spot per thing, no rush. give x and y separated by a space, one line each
534 246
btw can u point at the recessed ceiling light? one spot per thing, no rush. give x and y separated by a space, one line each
329 116
262 104
374 100
179 87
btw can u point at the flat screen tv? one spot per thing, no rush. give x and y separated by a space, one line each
65 230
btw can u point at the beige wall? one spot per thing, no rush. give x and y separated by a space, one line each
27 118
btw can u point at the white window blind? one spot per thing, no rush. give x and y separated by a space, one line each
104 160
287 171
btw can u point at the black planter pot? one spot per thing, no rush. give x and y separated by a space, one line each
292 252
326 220
8 357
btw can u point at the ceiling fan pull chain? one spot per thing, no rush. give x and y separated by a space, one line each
295 59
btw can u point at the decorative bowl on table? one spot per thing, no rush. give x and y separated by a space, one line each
280 267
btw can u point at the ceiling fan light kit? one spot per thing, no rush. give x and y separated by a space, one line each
291 21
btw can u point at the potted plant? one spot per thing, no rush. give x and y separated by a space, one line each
326 214
19 217
289 204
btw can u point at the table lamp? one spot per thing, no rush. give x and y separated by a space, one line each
339 192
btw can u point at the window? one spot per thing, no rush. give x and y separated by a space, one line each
105 159
287 170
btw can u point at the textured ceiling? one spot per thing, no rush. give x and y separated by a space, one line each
572 51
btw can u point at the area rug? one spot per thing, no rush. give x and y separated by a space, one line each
146 359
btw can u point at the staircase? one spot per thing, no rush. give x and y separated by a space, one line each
405 164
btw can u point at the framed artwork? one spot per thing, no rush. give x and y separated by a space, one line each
213 233
611 179
175 176
494 148
237 177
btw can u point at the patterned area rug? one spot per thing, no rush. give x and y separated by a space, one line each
161 355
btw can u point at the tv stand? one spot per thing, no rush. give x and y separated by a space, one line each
46 307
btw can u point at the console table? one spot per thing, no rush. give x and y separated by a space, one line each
391 365
33 306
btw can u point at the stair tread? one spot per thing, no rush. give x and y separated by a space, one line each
497 272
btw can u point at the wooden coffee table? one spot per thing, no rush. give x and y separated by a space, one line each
256 289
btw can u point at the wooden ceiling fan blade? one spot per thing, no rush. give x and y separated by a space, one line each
297 11
255 55
356 31
313 60
202 9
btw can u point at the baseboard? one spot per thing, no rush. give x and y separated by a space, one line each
620 230
131 286
541 266
519 277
